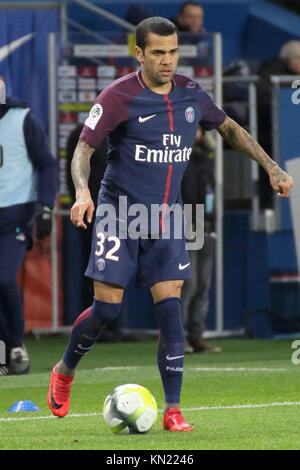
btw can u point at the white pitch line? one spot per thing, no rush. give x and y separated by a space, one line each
236 369
201 408
33 418
250 405
200 369
114 368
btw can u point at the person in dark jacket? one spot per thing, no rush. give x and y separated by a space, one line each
98 163
28 185
198 185
288 63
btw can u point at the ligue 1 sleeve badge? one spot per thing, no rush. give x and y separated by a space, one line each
96 111
100 263
94 116
190 114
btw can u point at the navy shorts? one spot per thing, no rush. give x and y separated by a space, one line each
116 260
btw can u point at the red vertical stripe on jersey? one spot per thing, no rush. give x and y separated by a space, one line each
170 113
168 183
166 196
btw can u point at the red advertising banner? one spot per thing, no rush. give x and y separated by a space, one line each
35 281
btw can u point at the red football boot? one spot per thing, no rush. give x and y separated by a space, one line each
59 393
174 421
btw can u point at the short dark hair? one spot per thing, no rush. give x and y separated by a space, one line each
187 4
155 24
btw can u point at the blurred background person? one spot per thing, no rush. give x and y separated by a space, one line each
198 186
137 13
236 95
288 63
190 18
98 163
28 185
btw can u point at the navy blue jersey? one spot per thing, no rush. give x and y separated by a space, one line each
150 136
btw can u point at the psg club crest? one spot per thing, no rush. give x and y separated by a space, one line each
189 114
100 264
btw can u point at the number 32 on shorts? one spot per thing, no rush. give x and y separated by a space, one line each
111 252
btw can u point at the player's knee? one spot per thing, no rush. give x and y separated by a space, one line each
177 287
109 293
104 312
166 289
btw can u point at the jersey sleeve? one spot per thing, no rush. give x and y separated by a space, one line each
211 115
42 159
110 109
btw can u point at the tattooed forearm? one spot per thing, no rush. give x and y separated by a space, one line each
278 175
80 166
241 140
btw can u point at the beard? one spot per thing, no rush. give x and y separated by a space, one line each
156 78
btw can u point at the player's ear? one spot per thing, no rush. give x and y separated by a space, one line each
139 54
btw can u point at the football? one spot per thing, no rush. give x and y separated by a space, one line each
130 409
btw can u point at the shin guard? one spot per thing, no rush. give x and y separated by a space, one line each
87 330
170 354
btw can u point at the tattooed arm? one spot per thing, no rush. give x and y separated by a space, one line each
241 140
80 169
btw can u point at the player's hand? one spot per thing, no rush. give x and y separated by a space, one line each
82 206
43 221
42 218
281 181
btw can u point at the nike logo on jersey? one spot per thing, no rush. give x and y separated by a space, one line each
13 45
143 119
172 358
183 267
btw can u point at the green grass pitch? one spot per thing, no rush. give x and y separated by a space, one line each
247 397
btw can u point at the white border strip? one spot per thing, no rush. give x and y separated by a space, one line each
236 369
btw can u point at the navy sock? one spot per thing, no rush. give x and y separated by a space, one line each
170 353
87 330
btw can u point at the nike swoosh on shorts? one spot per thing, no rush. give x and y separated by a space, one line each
183 267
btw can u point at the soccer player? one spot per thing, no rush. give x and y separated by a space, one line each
151 117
